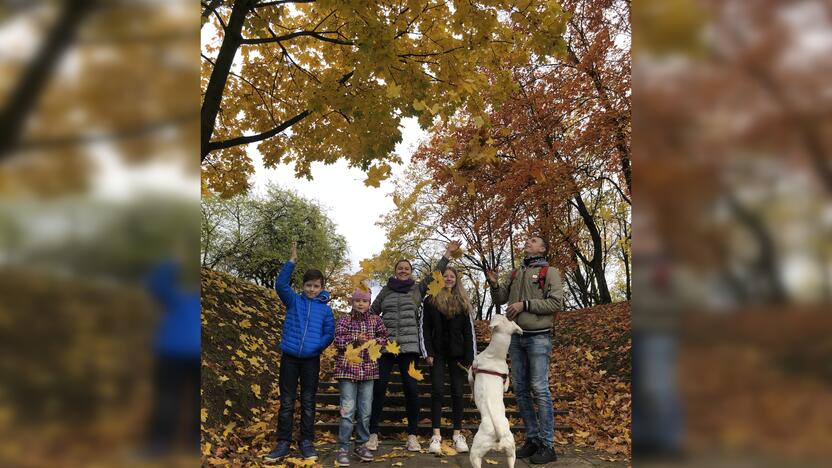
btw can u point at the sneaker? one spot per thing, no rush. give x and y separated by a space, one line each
363 453
342 458
527 450
459 443
413 444
372 442
544 454
279 452
307 450
435 445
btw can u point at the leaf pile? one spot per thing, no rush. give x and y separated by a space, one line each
591 360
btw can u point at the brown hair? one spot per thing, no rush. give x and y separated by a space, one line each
450 302
400 261
312 275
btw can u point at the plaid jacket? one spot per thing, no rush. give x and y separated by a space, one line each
347 330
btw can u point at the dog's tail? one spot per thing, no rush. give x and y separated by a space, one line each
493 414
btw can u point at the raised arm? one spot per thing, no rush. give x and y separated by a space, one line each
499 293
281 284
552 301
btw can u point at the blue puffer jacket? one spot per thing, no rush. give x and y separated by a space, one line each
178 330
310 326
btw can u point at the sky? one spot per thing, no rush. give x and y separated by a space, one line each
351 205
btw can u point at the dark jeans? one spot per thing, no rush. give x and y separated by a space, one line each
437 377
657 411
176 385
411 389
292 370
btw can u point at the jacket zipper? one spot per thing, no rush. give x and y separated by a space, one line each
303 338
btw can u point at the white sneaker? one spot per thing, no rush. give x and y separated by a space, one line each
459 443
435 445
372 442
413 444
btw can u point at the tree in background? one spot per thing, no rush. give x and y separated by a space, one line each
329 80
250 236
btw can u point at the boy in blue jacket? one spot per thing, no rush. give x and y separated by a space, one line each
308 329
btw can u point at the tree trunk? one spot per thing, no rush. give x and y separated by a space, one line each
219 75
596 263
23 98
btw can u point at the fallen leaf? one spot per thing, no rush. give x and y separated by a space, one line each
256 390
491 462
416 374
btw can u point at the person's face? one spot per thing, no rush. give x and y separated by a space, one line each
450 279
403 271
534 246
361 305
312 288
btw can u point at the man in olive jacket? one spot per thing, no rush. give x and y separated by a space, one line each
534 295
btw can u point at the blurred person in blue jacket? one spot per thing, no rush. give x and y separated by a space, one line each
176 348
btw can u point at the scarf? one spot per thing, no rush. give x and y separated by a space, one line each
539 261
399 286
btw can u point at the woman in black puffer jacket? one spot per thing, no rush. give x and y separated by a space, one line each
448 328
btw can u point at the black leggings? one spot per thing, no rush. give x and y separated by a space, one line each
411 389
437 376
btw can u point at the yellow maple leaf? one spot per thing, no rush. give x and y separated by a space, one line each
394 90
228 403
256 390
374 350
245 323
416 374
393 347
435 287
203 414
447 449
353 355
589 356
223 378
230 427
490 461
376 174
419 105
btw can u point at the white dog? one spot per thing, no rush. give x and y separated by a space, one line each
489 380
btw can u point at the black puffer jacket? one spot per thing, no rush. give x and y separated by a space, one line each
451 338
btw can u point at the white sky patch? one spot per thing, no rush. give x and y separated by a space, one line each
352 206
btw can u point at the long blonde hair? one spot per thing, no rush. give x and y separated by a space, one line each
450 302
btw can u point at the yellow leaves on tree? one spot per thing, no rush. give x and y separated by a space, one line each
335 78
416 374
377 174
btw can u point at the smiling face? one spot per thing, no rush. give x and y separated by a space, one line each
403 270
534 247
312 288
450 278
361 305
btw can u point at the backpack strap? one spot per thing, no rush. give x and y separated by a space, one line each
541 277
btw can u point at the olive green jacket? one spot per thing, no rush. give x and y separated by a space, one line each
540 306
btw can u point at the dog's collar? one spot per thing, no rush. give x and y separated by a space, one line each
491 372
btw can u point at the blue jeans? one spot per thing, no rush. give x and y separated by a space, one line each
355 393
530 379
657 413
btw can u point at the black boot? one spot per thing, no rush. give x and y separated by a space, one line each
543 455
528 449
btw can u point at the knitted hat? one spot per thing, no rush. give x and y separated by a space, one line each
359 294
